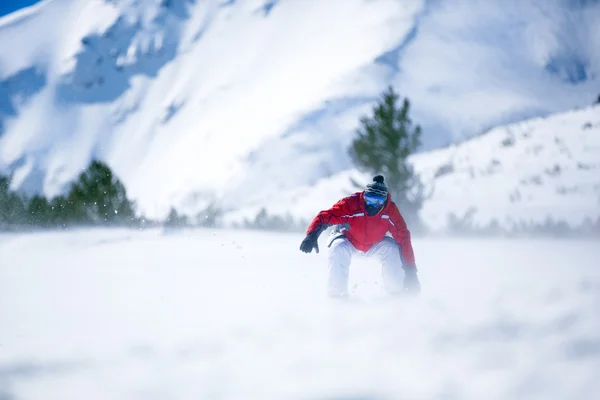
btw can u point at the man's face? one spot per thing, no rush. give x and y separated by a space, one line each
373 203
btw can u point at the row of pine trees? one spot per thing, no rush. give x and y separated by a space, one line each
97 197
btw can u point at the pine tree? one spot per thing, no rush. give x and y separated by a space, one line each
98 197
174 220
383 144
210 216
4 195
12 206
38 211
58 212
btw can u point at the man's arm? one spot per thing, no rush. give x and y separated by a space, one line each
339 213
401 234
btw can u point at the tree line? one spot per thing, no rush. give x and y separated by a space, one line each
96 197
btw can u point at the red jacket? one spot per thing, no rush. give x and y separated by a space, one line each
363 231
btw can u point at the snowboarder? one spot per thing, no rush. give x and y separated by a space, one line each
361 222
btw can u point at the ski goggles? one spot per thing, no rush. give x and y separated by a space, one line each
374 200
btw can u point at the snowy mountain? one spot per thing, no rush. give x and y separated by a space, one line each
246 102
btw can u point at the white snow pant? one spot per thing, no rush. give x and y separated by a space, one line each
340 256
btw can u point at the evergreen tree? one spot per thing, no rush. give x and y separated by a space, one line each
4 195
58 213
98 197
38 211
210 216
383 144
174 220
12 206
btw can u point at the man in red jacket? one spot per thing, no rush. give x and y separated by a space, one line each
362 221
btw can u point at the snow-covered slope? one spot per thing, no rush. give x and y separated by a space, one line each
220 314
528 172
190 101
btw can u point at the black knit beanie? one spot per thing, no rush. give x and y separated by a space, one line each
378 187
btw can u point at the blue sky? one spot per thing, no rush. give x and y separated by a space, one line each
8 6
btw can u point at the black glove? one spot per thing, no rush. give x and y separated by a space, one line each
310 242
411 281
